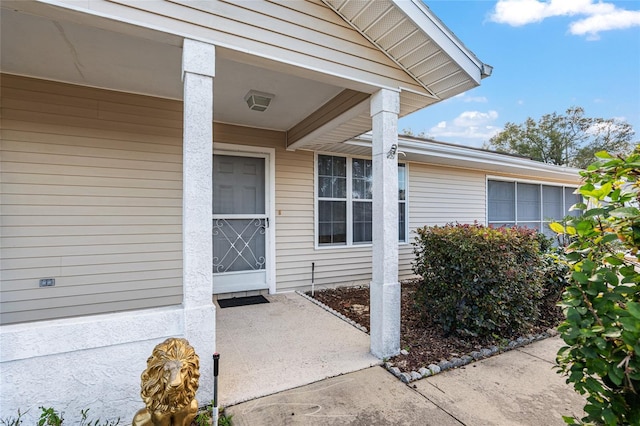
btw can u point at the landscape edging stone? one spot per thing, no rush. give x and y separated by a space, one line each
443 365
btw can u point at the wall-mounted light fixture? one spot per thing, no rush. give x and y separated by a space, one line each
258 101
392 152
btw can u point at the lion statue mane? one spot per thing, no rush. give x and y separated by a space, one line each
169 385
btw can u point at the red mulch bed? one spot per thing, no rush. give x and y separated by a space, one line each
421 337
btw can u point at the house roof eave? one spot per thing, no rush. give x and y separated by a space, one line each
444 37
446 154
417 41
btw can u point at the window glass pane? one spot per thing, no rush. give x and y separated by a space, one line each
569 200
340 233
324 186
402 182
325 233
502 201
238 185
334 204
332 222
325 165
362 216
402 222
339 166
324 211
528 202
552 207
362 178
332 180
339 211
339 185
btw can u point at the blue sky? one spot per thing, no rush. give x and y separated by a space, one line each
547 56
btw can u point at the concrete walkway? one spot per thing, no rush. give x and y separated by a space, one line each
284 344
519 387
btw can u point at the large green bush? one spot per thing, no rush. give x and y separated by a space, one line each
602 302
477 280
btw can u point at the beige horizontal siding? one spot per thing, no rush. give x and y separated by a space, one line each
58 309
437 196
405 260
440 195
295 239
91 195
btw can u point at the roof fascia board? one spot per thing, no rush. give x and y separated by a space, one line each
420 15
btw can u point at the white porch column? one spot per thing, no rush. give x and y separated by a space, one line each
385 288
198 70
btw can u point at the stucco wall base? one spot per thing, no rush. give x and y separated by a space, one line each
102 374
105 380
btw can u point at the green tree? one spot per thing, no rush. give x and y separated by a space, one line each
602 301
571 139
409 132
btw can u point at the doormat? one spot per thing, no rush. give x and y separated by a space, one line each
242 301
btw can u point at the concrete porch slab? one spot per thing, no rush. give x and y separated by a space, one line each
284 344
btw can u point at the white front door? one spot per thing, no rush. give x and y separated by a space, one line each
240 223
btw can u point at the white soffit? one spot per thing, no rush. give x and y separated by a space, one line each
417 41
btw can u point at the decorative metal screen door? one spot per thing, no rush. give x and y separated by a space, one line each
239 224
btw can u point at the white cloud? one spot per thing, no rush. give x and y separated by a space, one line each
616 20
478 99
466 98
612 125
470 128
595 16
474 118
518 12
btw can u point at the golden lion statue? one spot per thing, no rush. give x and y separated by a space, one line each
169 385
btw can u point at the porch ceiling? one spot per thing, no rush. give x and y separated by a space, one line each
317 111
46 42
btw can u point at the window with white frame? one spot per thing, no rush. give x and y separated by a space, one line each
533 205
345 202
